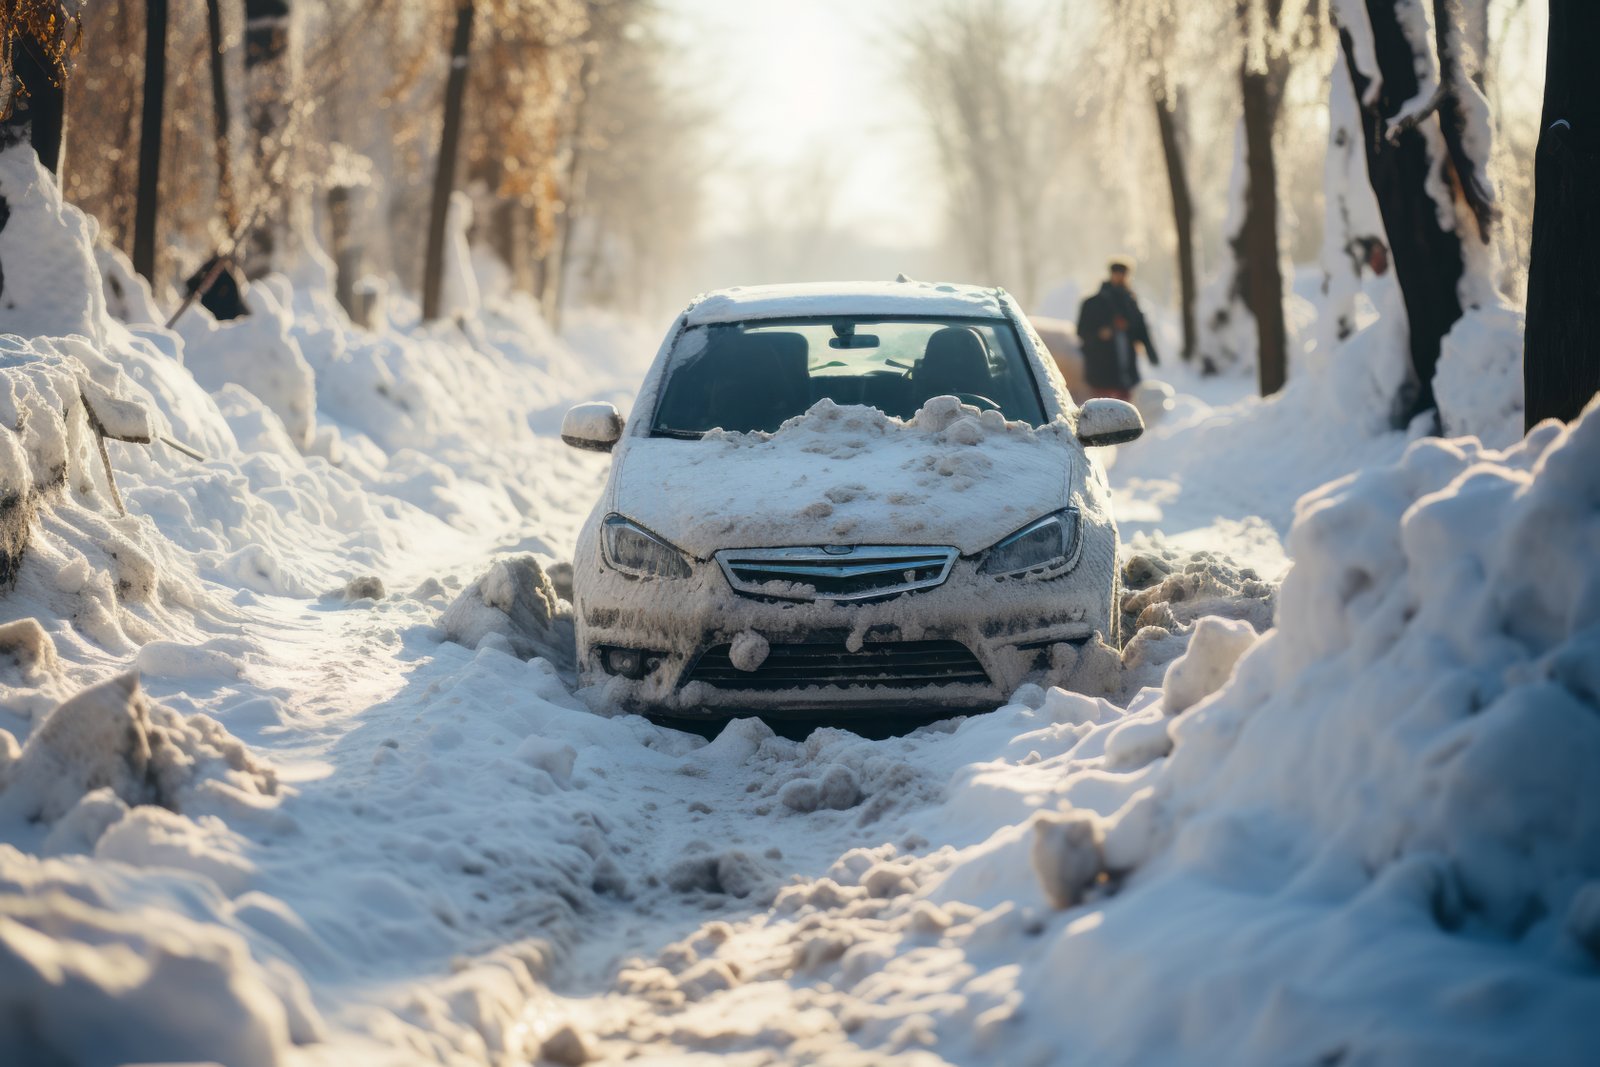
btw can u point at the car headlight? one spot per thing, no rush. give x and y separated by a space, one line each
632 549
1046 544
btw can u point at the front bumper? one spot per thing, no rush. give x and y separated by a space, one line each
961 646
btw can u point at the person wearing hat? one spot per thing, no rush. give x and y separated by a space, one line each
1110 324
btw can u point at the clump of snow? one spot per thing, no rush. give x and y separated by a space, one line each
1066 855
363 587
514 606
27 643
1168 588
110 736
749 650
837 789
1214 648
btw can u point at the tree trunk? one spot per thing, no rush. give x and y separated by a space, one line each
508 241
346 251
147 202
444 179
220 123
1427 257
44 120
1182 213
555 282
1257 251
1561 354
266 59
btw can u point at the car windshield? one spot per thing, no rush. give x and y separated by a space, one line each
753 376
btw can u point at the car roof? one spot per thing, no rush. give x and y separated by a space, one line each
806 299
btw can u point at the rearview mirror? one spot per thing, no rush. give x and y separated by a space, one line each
595 427
1104 421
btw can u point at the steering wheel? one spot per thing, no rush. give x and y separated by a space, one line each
982 403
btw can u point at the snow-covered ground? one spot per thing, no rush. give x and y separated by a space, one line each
261 803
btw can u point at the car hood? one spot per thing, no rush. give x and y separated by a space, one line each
849 475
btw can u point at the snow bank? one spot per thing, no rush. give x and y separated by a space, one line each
1371 835
91 982
163 896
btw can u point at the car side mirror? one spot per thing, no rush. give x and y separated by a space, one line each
595 427
1104 421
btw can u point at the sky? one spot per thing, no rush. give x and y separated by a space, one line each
807 107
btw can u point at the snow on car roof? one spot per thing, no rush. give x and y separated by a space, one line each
845 298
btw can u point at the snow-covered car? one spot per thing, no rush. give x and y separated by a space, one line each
845 496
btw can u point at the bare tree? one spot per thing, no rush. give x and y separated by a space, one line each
1169 121
221 116
444 180
152 103
1561 357
269 76
987 77
1257 251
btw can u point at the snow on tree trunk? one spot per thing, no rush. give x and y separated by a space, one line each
1426 131
1561 362
1351 222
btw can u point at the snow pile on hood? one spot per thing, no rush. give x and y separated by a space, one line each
1372 835
951 475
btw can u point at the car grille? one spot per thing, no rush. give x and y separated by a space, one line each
896 665
844 572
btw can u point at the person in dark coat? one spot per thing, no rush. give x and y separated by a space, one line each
1109 325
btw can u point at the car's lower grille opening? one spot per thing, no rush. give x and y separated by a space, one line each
896 665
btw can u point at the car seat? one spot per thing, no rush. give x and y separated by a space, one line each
955 361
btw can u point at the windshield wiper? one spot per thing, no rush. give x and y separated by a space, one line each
681 435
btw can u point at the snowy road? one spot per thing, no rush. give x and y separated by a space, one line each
477 809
